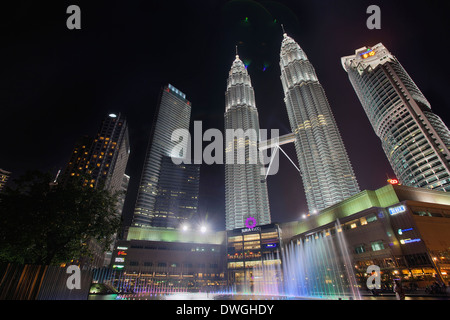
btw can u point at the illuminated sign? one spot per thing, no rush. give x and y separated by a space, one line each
398 209
116 266
251 229
409 240
172 88
121 253
122 248
366 54
400 231
119 260
271 245
393 181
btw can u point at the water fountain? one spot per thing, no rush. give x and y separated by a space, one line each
319 266
316 266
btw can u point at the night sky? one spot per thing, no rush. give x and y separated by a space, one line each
57 84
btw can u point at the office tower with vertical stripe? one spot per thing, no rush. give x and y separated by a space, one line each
161 181
325 167
415 140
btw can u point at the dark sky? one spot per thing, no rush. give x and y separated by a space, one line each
57 84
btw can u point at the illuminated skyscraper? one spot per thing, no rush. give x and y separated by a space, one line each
159 194
4 176
245 187
104 158
326 170
101 161
178 190
416 141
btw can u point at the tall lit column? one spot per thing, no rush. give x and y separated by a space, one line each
326 171
246 196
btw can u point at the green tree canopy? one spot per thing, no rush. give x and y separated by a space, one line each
44 223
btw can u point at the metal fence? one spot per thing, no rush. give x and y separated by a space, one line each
38 282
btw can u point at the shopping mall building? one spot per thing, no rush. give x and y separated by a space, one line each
403 230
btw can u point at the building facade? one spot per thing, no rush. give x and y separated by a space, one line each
326 170
173 112
415 140
170 260
102 160
4 176
245 188
254 257
177 194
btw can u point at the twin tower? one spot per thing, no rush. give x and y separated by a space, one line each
325 168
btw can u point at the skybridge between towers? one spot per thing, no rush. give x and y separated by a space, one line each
271 143
276 143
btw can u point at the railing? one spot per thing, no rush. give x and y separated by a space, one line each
39 282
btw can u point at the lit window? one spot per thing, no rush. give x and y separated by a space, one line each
377 245
360 249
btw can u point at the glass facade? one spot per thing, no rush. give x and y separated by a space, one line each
414 139
177 198
174 112
250 251
326 170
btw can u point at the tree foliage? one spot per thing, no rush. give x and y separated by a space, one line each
44 223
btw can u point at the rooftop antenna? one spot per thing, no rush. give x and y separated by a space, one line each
237 55
282 27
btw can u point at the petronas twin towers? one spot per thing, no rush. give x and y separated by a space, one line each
325 168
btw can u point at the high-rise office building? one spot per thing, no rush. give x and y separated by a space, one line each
246 196
416 141
156 187
326 170
4 176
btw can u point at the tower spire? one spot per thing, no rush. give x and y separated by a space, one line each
237 55
284 32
